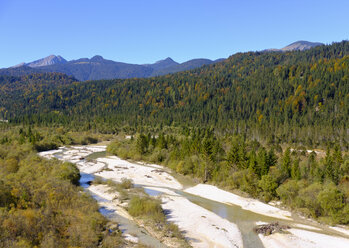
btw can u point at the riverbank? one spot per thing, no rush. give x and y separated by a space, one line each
303 239
216 194
201 227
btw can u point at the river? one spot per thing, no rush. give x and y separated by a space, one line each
92 161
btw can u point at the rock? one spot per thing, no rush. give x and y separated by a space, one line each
271 228
131 238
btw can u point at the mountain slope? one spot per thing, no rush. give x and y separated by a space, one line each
19 70
14 89
191 64
49 60
301 45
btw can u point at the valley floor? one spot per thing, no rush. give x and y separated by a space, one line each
201 227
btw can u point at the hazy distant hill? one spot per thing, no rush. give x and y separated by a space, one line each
163 64
191 64
99 68
298 45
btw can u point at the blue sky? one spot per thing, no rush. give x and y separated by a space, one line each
144 31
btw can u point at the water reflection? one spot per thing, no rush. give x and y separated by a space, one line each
152 192
85 180
106 212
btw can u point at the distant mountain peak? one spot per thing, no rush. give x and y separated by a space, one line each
300 45
49 60
97 58
168 60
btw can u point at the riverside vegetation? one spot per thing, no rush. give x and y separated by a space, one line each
41 204
316 185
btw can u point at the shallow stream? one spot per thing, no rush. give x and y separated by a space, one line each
244 219
125 225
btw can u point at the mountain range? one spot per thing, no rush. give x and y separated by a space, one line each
97 67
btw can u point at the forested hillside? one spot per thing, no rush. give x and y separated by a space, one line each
293 97
14 89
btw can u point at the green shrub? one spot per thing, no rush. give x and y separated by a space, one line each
45 146
288 192
172 230
145 207
343 216
185 167
67 171
11 165
112 241
245 180
113 147
307 198
331 200
126 183
268 186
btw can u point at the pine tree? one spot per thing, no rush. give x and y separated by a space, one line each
286 164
